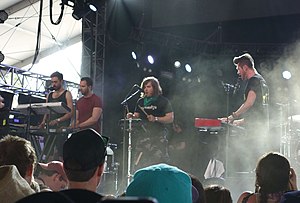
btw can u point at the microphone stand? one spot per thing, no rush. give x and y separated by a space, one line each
124 102
126 110
227 88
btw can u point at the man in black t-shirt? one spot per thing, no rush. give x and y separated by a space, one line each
156 112
58 95
57 121
253 113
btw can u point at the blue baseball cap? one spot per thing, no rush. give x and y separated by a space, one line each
166 183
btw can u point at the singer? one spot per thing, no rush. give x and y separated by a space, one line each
156 112
253 114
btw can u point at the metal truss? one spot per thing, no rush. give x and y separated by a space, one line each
17 80
93 54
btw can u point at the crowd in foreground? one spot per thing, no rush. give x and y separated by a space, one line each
76 179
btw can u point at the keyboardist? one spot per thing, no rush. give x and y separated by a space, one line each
56 121
253 113
88 107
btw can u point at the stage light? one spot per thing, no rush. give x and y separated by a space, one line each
138 64
286 75
1 57
150 59
188 68
177 64
3 16
80 11
133 54
92 7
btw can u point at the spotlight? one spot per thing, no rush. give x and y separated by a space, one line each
137 64
286 75
92 7
133 54
177 64
150 59
80 11
188 68
3 16
1 57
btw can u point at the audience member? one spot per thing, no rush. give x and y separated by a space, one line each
217 194
274 176
12 186
166 183
51 176
84 156
198 185
23 158
46 197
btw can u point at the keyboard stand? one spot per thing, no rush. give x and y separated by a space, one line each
41 109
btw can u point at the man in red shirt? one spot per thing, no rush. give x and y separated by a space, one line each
88 107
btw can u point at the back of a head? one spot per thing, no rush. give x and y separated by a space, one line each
167 184
12 186
83 152
50 168
23 158
217 194
198 185
272 173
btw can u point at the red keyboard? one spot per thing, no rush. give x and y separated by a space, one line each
205 122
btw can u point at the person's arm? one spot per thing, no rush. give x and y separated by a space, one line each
251 97
167 118
97 111
293 180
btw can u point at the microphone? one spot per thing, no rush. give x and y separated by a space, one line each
51 88
236 86
138 87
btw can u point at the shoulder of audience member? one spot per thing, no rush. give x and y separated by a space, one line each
251 199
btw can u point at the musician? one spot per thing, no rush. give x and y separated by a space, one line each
57 121
155 111
88 107
253 113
